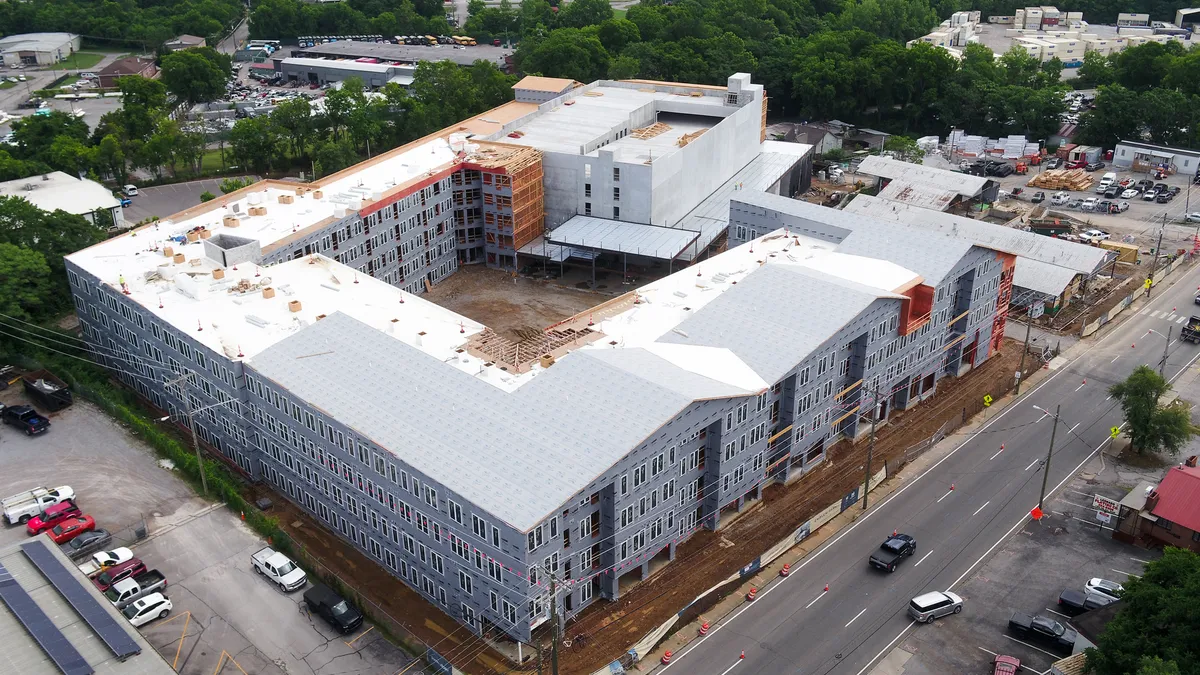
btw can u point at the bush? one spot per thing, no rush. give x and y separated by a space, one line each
207 196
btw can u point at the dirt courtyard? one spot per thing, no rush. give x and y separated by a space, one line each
509 304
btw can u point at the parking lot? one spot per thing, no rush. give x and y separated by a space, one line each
225 619
167 200
1026 574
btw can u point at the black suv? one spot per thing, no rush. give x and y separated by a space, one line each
1094 166
333 608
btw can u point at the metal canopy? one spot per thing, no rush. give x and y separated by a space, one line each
101 621
588 232
51 639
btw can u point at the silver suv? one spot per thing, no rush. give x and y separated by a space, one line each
925 608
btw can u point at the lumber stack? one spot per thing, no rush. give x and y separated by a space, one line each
1062 179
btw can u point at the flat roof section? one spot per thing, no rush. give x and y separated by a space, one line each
551 84
618 236
343 64
57 190
917 194
886 167
463 56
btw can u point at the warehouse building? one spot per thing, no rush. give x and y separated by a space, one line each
404 54
58 191
37 49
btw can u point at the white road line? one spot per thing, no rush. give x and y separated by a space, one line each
981 508
1135 576
1031 464
1171 318
1115 358
735 665
997 454
923 558
814 600
864 610
1072 429
887 647
1080 386
1154 314
1180 319
1108 397
878 507
1144 562
1058 613
1051 655
944 496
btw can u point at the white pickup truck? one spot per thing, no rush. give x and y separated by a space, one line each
126 591
278 568
19 508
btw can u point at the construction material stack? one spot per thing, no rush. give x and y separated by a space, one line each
1062 179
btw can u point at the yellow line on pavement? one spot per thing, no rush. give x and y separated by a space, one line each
351 643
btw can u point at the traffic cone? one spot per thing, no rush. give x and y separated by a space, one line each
752 594
826 588
952 487
704 628
895 532
666 658
243 515
787 569
743 655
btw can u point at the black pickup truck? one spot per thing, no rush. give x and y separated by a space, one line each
1073 603
894 549
1050 633
24 418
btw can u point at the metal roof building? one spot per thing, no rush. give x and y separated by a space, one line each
61 191
409 54
925 186
37 49
53 620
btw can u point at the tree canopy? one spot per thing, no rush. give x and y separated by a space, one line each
1151 425
33 278
1154 633
196 75
143 24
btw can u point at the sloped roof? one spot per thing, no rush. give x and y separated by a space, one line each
127 66
886 167
554 85
1179 497
1042 277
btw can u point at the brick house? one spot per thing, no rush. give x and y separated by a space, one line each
131 65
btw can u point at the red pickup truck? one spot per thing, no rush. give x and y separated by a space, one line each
52 516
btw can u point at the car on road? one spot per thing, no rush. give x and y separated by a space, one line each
1093 166
25 418
332 607
87 543
1121 207
1047 632
934 605
144 610
130 190
1104 587
894 549
1193 217
1149 195
1005 665
1073 603
71 528
53 515
1130 193
1038 197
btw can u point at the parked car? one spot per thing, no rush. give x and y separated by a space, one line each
87 543
1164 197
1005 665
1109 177
1144 184
146 609
1113 191
1149 195
1072 602
278 568
1060 198
1121 207
1075 204
1130 193
105 559
125 201
1038 197
1089 204
126 591
1077 164
1052 163
1175 190
1104 207
1093 166
925 608
1193 217
894 549
25 418
71 528
1161 188
1048 632
1104 587
53 515
105 580
333 608
1093 235
20 508
130 190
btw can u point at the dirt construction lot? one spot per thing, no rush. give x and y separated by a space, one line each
509 304
225 619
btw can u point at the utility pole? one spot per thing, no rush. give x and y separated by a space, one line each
1163 363
554 624
1157 253
1049 454
187 403
870 447
1024 350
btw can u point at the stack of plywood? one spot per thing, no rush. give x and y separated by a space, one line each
1062 179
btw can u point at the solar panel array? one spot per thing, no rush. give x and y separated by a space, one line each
51 639
96 616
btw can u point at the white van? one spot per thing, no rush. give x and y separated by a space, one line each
925 608
1109 177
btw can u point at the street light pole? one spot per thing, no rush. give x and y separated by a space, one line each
1166 344
1049 454
187 404
1157 253
1024 350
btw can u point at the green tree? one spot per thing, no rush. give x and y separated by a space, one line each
1097 70
293 119
1145 66
110 158
906 149
254 143
234 184
35 134
1169 115
333 156
196 75
12 168
52 234
568 52
1118 115
582 13
207 196
1184 73
1151 426
624 68
25 289
1152 633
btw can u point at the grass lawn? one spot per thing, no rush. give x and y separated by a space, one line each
211 161
618 13
5 84
79 61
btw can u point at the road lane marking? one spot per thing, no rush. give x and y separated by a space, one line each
1108 397
1154 314
1050 654
1135 576
1072 429
923 558
982 507
878 507
1058 613
1031 465
1171 318
997 453
1044 416
1144 562
814 601
1080 386
1115 358
735 665
1180 319
945 495
864 610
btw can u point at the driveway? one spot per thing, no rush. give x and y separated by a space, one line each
225 618
167 200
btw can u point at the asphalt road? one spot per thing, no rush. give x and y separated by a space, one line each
959 510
